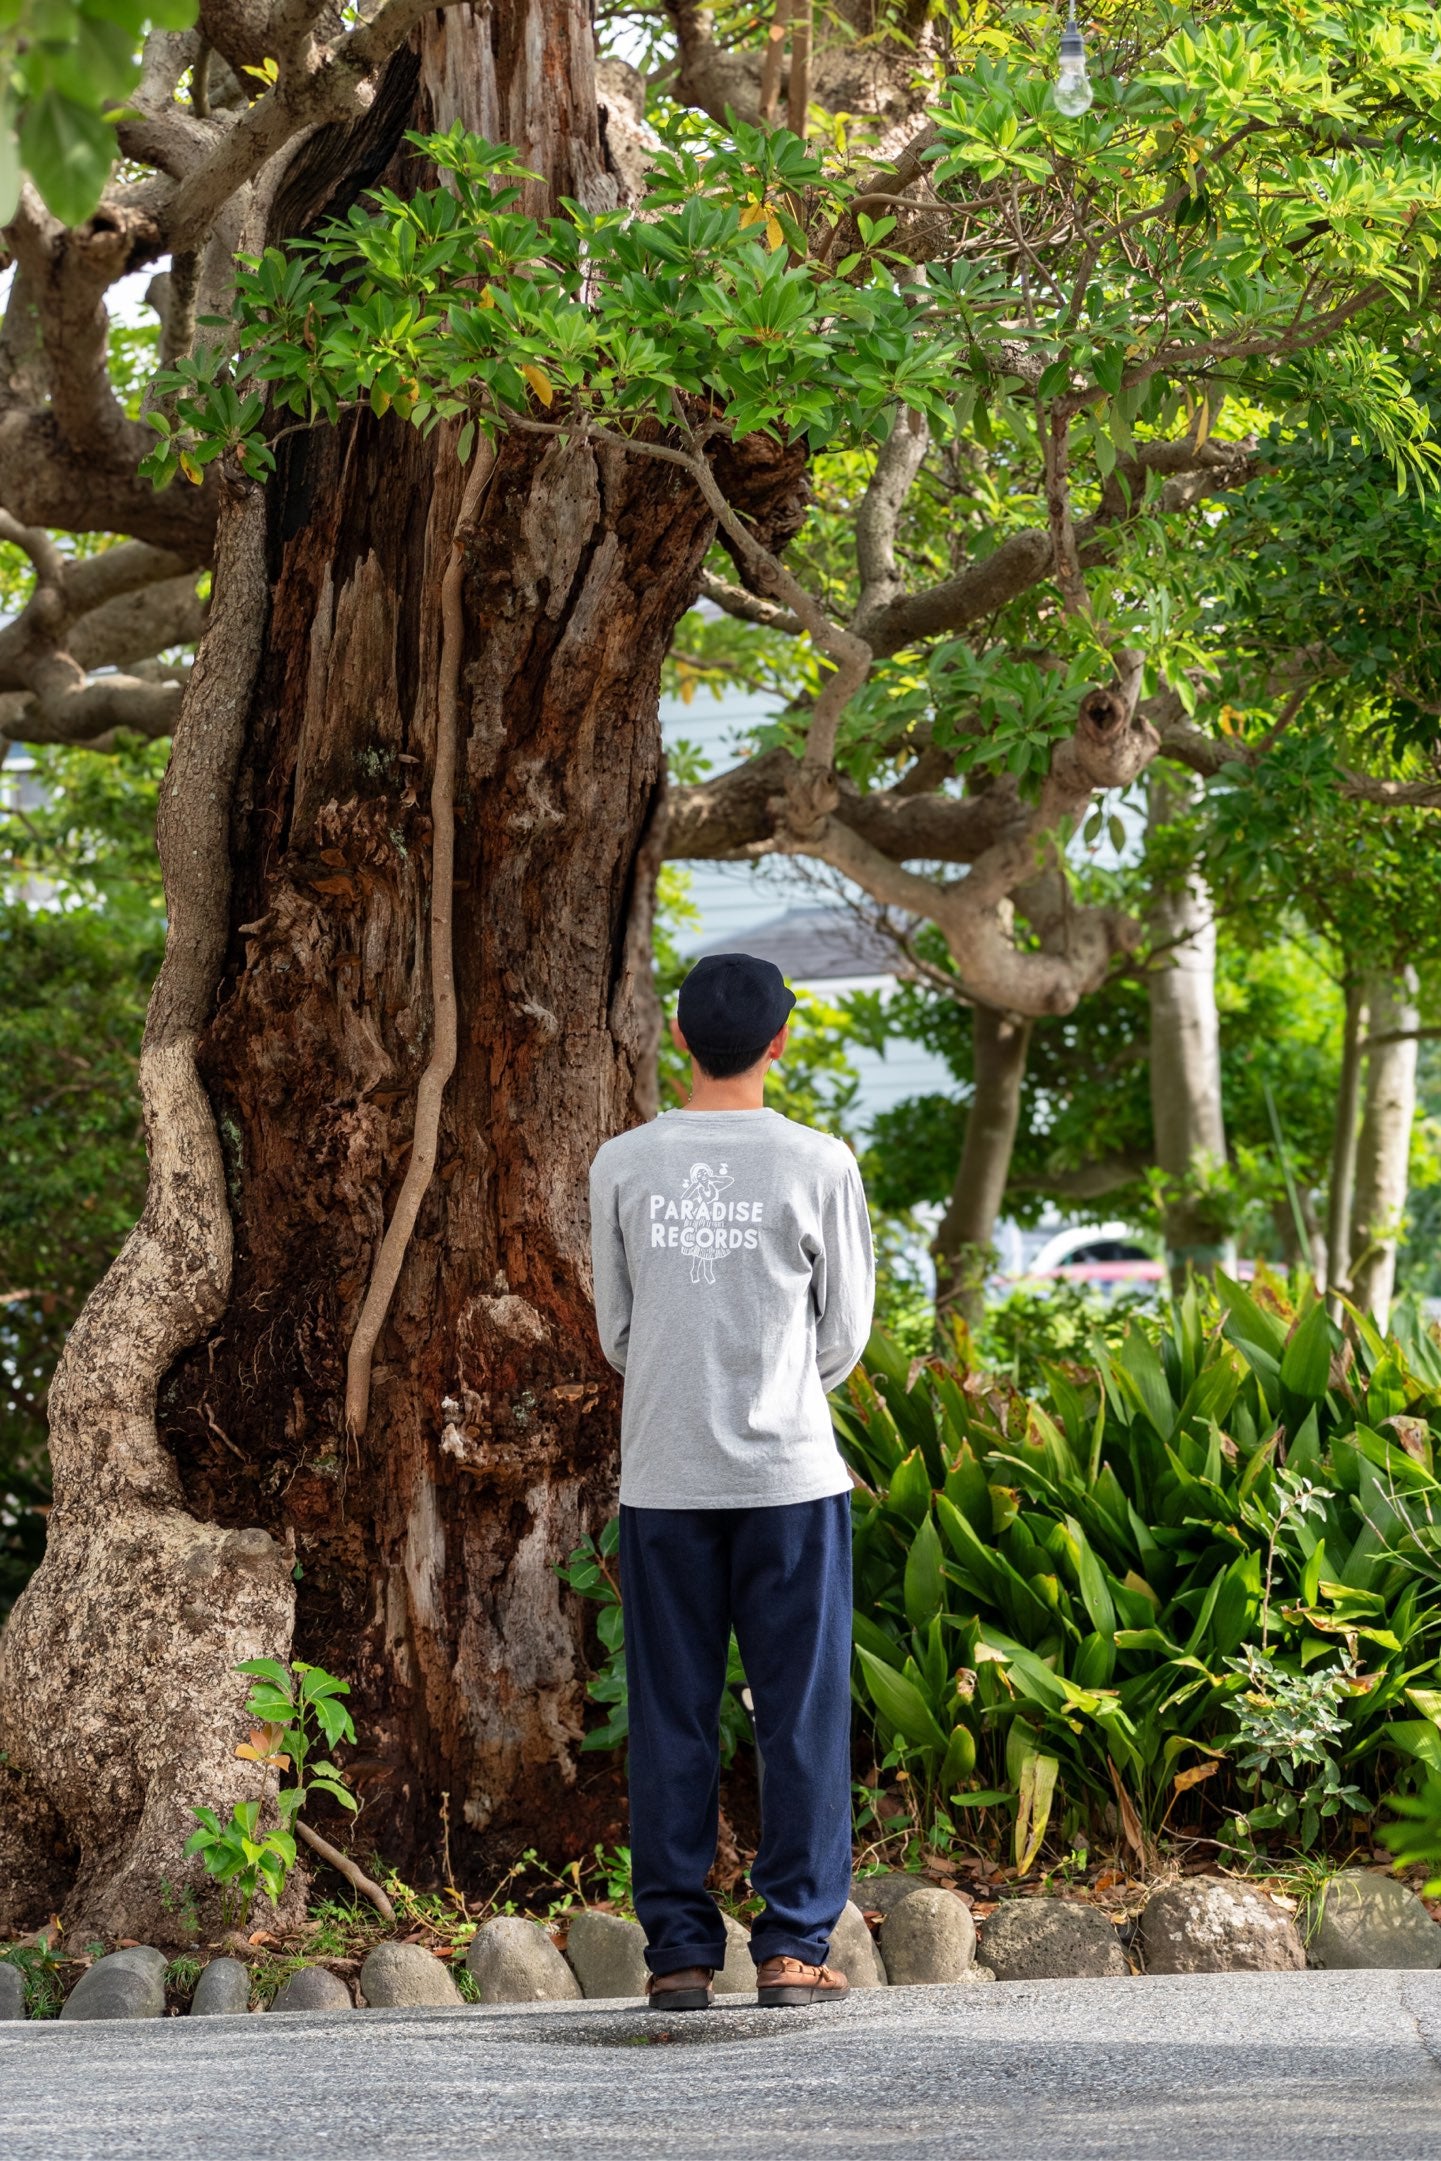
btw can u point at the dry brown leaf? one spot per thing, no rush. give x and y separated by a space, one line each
1130 1821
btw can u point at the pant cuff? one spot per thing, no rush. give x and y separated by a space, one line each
698 1954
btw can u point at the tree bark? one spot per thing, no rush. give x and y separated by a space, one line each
424 1553
1384 1146
119 1708
1185 1063
1341 1199
964 1245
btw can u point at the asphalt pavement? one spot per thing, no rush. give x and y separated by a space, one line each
1223 2067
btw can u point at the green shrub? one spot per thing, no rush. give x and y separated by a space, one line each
1060 1597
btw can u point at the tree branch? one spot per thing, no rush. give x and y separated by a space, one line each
88 711
730 817
1207 755
1110 746
316 84
898 460
1088 1181
748 607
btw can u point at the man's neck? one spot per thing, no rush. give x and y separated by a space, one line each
746 1092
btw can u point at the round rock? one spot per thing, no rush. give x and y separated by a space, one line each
607 1955
12 1990
882 1894
928 1937
737 1977
853 1951
405 1973
127 1984
1361 1920
312 1988
1210 1925
1052 1939
513 1961
223 1990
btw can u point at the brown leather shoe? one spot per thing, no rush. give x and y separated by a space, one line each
786 1983
688 1989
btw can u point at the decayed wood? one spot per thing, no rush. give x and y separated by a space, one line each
421 1167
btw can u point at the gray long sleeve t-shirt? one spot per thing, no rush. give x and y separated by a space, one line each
734 1283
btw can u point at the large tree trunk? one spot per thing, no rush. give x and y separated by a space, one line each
1384 1147
1185 1063
964 1245
424 1552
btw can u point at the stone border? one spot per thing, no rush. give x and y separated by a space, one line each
925 1936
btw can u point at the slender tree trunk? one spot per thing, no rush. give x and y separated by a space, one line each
1384 1146
1341 1200
421 1559
1185 1067
964 1244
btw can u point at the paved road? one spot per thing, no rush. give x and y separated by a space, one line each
1237 2067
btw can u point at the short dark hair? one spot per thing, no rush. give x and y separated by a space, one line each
725 1064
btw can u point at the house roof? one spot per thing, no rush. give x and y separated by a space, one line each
815 945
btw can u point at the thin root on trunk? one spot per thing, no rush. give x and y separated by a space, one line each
431 1092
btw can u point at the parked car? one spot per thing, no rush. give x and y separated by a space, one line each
1106 1258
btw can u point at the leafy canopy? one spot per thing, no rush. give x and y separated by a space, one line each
1252 185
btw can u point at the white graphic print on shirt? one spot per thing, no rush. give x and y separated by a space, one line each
702 1224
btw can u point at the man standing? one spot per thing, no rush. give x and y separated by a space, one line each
734 1282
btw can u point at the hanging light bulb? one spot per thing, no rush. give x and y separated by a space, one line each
1072 91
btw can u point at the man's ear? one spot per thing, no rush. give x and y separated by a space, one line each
675 1035
776 1047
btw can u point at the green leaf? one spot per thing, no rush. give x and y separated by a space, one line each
923 1586
267 1669
974 1556
966 1488
1092 1577
68 152
960 1758
336 1793
911 1487
1246 1324
899 1700
1306 1360
269 1707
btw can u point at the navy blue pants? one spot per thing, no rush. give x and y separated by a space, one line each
781 1577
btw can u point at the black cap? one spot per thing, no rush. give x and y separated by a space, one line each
733 1002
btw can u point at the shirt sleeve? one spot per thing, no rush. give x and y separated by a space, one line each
611 1270
843 1277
